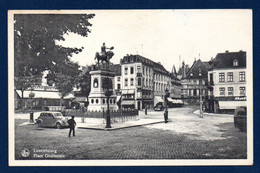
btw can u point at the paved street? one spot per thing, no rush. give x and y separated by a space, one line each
185 137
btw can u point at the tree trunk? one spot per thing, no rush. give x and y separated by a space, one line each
22 101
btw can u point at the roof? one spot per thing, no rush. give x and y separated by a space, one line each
195 69
117 68
43 94
158 67
207 64
180 72
225 60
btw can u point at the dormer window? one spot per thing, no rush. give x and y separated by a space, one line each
235 63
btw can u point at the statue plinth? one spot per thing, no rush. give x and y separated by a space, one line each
97 97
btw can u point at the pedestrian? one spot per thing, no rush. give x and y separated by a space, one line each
72 125
145 110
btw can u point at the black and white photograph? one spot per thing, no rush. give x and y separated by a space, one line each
130 87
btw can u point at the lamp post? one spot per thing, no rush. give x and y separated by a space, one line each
107 84
31 95
200 99
166 105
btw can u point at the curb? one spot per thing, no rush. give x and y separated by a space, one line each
118 128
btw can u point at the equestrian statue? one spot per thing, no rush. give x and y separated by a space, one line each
104 56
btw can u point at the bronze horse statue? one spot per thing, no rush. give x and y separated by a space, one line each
101 58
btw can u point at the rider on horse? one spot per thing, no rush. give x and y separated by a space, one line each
104 55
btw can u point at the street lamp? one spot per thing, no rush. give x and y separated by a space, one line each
167 94
31 95
201 113
107 85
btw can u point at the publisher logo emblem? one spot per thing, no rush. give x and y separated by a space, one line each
25 152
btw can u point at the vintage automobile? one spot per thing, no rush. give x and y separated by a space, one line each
240 118
52 119
159 107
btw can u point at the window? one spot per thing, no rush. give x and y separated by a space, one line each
96 100
230 91
104 101
132 70
92 101
118 79
132 82
118 86
126 82
126 71
242 76
230 76
235 63
242 91
222 91
138 69
221 77
139 81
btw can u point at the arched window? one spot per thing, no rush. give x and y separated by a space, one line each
95 83
96 100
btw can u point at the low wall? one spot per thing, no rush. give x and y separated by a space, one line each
116 116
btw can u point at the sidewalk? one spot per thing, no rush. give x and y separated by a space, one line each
197 112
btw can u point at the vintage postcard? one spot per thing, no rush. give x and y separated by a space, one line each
130 87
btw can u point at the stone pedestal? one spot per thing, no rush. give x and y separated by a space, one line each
97 98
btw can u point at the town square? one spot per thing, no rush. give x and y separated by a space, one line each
87 88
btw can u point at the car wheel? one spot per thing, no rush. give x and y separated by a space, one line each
58 126
39 124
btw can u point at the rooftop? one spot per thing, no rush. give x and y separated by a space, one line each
227 60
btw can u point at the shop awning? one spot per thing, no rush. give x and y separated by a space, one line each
171 100
128 91
231 104
128 102
43 94
157 99
179 101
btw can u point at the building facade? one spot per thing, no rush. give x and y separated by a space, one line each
143 82
227 81
194 82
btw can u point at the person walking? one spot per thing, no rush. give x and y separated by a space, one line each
145 110
72 125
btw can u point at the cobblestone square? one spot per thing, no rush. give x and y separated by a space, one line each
185 137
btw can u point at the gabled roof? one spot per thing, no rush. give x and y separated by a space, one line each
225 60
194 71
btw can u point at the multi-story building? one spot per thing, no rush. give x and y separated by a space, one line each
118 83
176 87
194 82
227 81
143 82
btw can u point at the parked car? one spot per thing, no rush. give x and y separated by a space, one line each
159 108
240 119
52 119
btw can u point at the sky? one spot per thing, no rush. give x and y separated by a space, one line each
165 36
